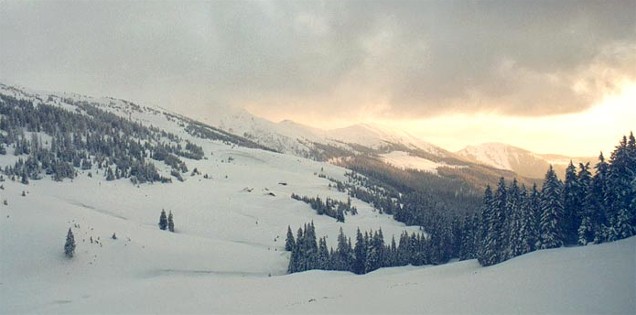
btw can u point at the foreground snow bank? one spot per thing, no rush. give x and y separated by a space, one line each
596 279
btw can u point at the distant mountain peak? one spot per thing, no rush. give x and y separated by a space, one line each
521 161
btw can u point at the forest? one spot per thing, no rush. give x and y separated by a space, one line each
590 206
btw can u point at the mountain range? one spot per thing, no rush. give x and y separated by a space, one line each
104 169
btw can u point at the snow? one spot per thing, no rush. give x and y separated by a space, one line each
405 160
497 155
227 253
220 260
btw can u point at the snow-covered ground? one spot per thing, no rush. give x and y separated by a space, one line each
227 255
405 160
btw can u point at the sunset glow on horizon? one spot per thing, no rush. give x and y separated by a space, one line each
547 76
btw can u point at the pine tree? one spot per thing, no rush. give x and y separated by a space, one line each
163 221
516 239
551 233
344 253
170 222
488 254
572 204
585 231
596 199
534 217
620 178
468 237
69 246
323 255
621 181
360 250
290 243
500 221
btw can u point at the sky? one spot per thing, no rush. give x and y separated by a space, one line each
548 76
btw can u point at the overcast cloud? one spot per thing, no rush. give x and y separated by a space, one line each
381 58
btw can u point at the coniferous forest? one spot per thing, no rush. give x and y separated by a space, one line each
591 205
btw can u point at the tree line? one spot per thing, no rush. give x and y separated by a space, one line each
330 207
580 210
85 138
369 252
588 206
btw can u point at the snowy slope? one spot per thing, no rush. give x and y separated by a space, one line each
290 137
227 255
520 161
404 160
220 259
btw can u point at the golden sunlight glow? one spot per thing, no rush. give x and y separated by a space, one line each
580 134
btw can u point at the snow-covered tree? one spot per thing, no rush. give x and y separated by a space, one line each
290 243
360 251
551 233
572 204
488 253
170 222
69 246
163 220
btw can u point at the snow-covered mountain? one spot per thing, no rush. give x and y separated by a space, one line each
231 216
520 161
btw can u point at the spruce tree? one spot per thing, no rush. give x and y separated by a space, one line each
596 199
585 231
534 217
360 250
516 239
488 253
621 192
344 252
170 222
290 243
323 255
163 221
572 204
69 246
551 231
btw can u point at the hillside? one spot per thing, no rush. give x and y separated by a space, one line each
106 168
229 242
520 161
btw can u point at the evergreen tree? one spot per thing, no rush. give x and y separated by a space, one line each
170 222
344 253
621 192
596 199
585 230
488 253
500 221
323 255
572 204
163 221
516 240
360 251
404 250
69 246
551 233
468 238
373 257
290 243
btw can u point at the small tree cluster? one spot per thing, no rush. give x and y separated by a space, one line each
332 208
368 254
166 222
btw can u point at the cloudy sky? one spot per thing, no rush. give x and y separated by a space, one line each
550 76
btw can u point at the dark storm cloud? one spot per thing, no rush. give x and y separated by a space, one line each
394 58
